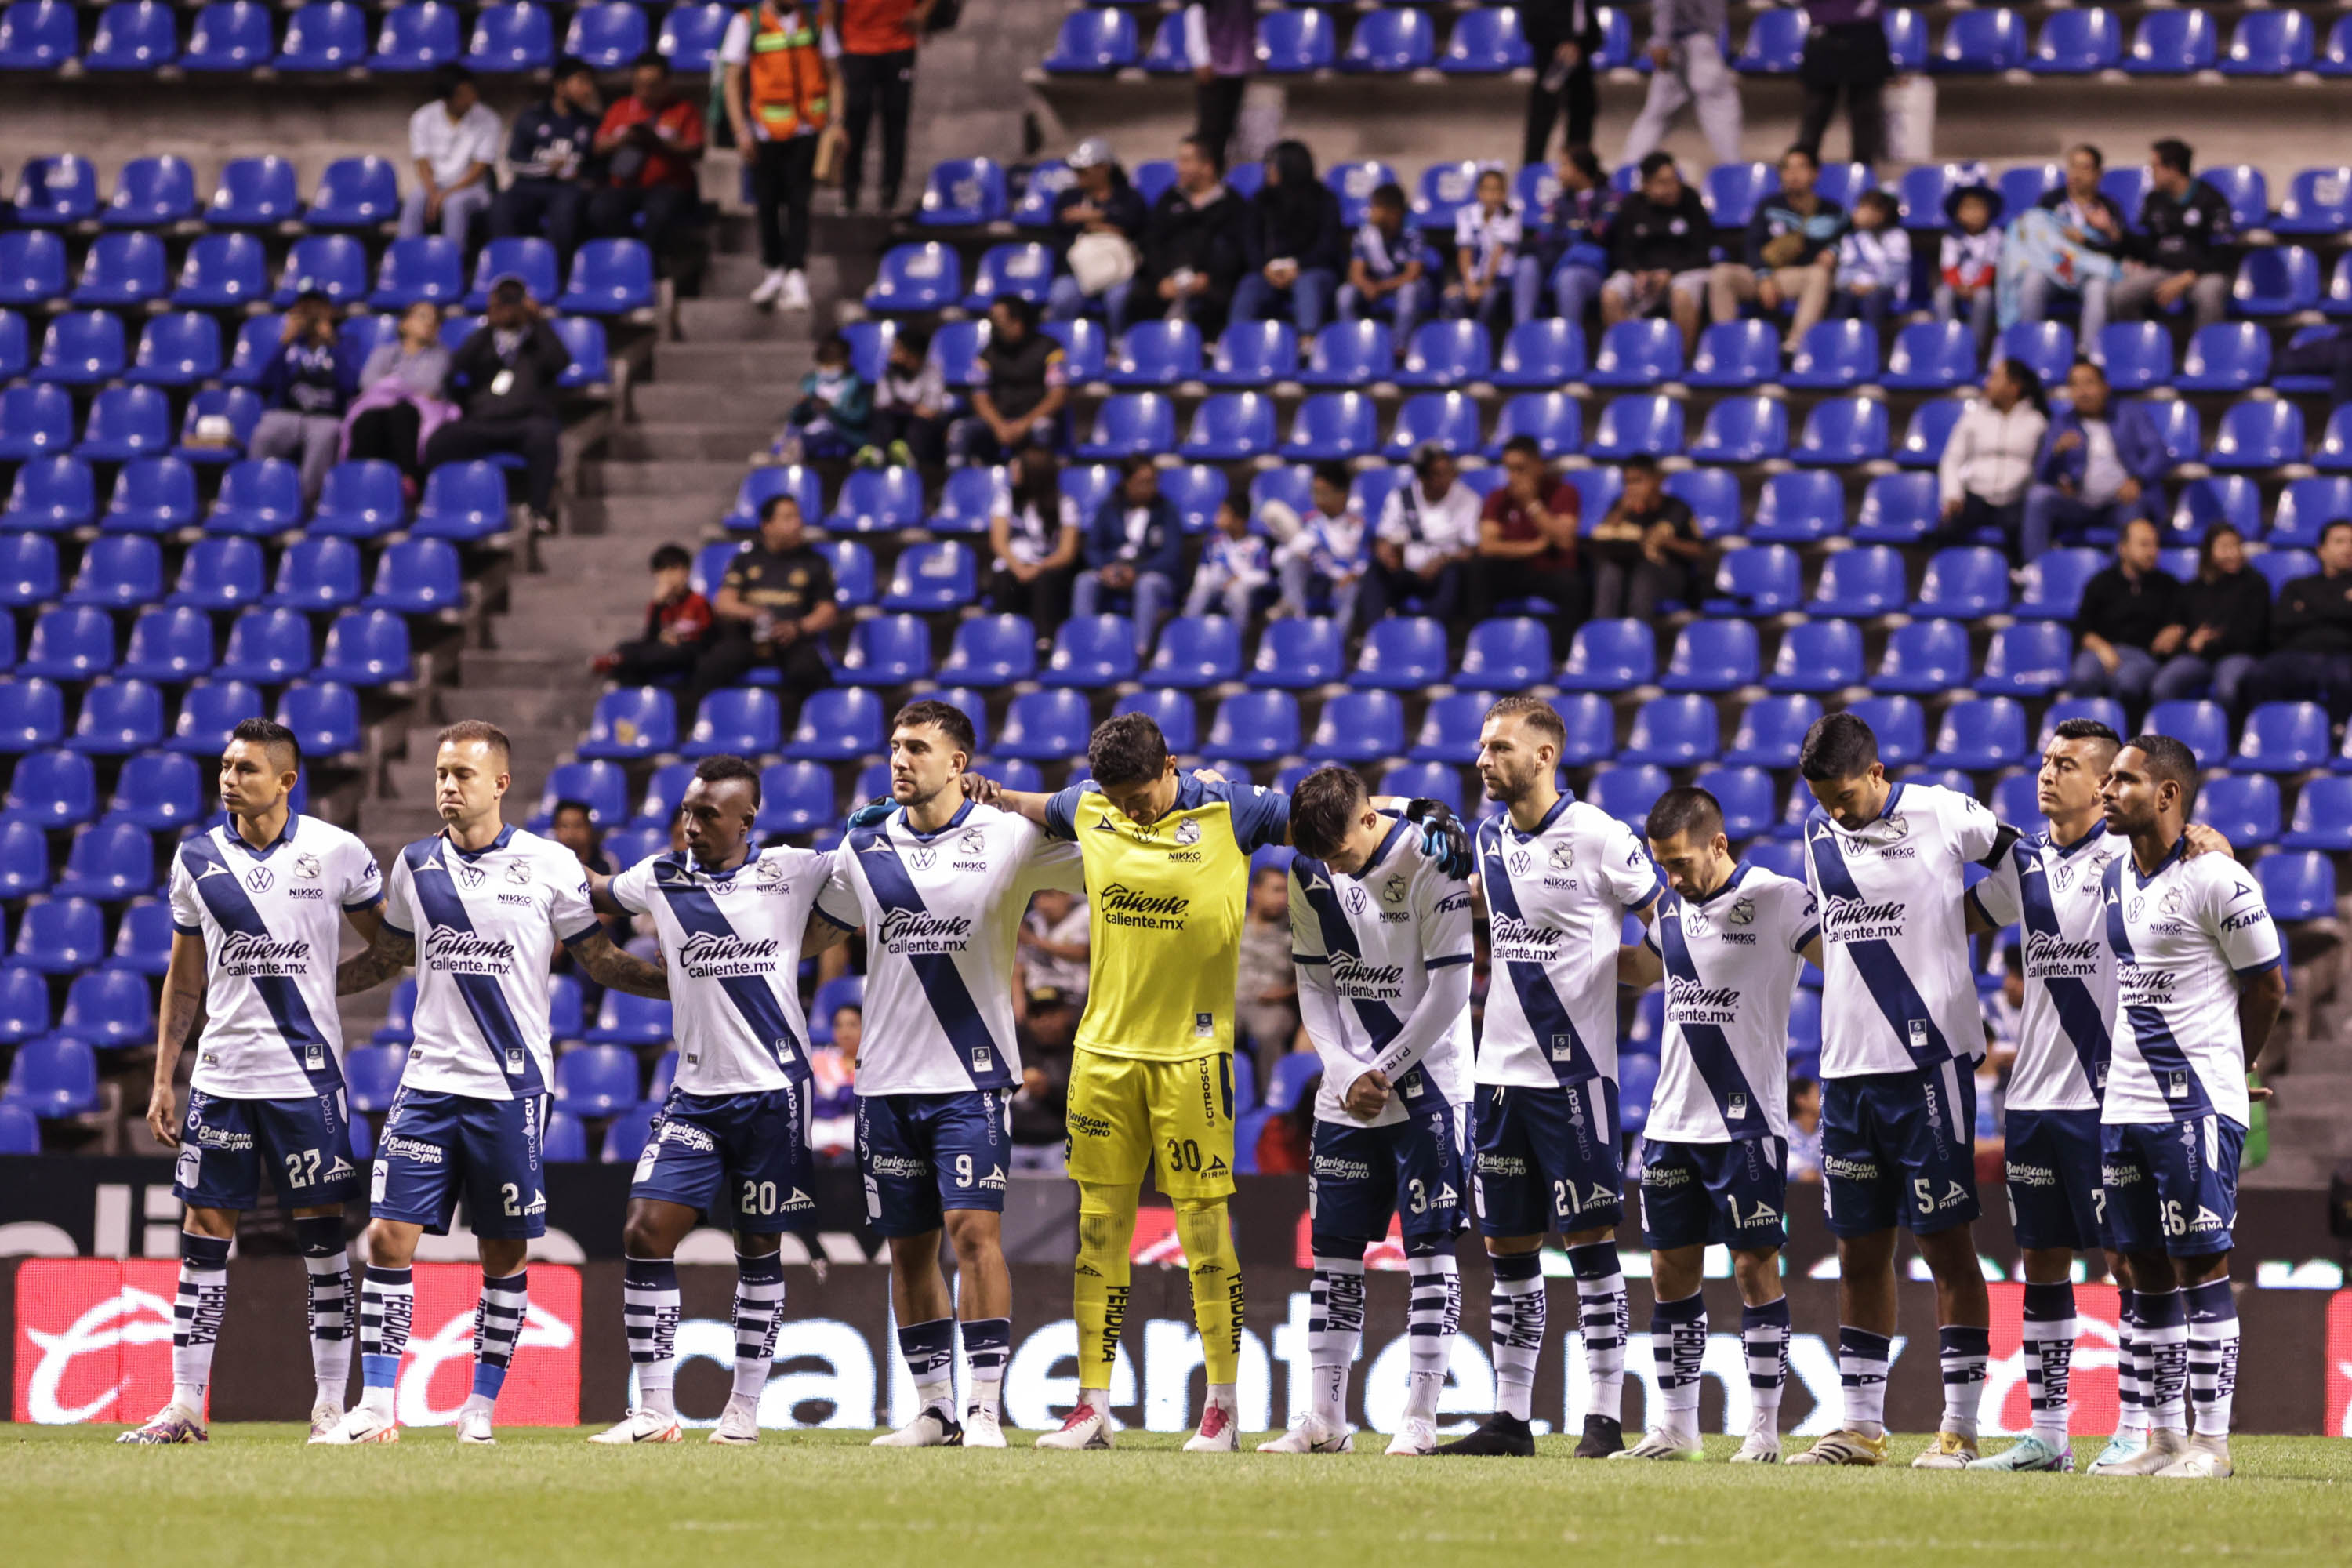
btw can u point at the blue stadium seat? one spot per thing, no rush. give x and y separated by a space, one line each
989 650
1390 41
1820 655
1349 353
1611 656
1712 494
2297 885
1732 191
1194 489
1638 424
153 193
361 500
28 567
118 575
55 1078
795 797
169 644
371 1072
916 279
417 577
530 259
34 422
2171 43
266 646
610 278
334 265
111 861
32 714
2138 354
761 485
2269 42
1541 353
933 577
741 721
1358 727
1142 423
126 423
2258 435
2227 356
509 39
1641 352
1506 655
1627 792
1977 42
666 790
1253 727
422 37
83 348
1227 426
70 643
2030 659
1333 426
1045 726
209 709
2243 808
1765 580
229 36
325 716
463 501
355 193
878 500
1195 652
2047 348
1448 420
2231 499
202 442
1450 726
1085 348
889 650
159 791
1714 655
2317 202
1932 356
122 271
32 267
133 36
1172 711
61 936
601 786
2277 280
1674 732
58 192
2054 584
2304 508
631 722
1772 732
1929 428
1090 652
1744 797
1298 653
1485 41
118 717
24 1011
178 349
257 344
1156 354
1774 45
2079 42
2335 56
1842 430
1445 355
1964 582
1428 780
1552 419
2322 815
1900 724
2282 738
24 861
1801 508
428 271
259 498
222 272
52 790
1252 354
37 36
963 192
2202 727
1023 270
1403 653
260 193
1860 584
1093 42
2178 429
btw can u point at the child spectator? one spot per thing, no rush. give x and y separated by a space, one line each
910 423
1485 242
1233 568
830 420
676 622
1873 264
1323 562
1391 271
1968 264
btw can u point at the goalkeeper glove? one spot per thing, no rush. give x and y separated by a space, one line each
873 812
1443 837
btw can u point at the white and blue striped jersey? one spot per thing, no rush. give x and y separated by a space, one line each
2184 939
1555 905
1732 961
486 924
731 942
1897 995
2053 892
1365 947
942 917
271 920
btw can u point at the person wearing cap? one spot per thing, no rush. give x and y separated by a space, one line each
304 388
549 157
503 378
452 140
783 89
1099 217
650 142
1970 263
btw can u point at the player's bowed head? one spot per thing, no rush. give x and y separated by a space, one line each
1333 819
1840 766
1687 841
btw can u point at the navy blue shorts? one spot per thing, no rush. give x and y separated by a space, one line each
754 1147
1414 1169
923 1155
435 1146
1548 1159
1899 1148
1696 1194
226 1145
2052 1164
2171 1186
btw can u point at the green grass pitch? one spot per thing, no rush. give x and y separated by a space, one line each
256 1495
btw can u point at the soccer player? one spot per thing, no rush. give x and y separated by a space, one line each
939 886
258 906
1900 1035
1380 935
2198 987
477 909
1729 942
1559 876
731 919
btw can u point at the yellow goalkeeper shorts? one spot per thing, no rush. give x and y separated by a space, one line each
1124 1113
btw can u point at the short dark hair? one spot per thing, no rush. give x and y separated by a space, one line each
1536 713
782 498
1201 145
269 733
1525 446
1020 309
2168 759
1641 462
2083 361
581 807
1586 162
1134 463
720 769
315 297
649 58
833 343
946 717
1387 193
2084 730
2172 153
1838 746
568 67
1655 162
669 558
915 340
1126 749
1332 473
1686 808
448 79
2097 157
482 730
1798 150
1879 200
1323 806
2331 527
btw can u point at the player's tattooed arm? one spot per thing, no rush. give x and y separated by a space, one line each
1638 967
390 953
620 971
183 1011
821 933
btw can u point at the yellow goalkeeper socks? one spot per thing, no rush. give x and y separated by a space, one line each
1216 1268
1105 1233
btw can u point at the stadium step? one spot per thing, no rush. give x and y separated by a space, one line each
696 440
650 518
681 400
737 366
680 478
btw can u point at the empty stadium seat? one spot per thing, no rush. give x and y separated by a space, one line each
638 721
1393 40
266 646
2317 202
1820 655
118 716
1195 652
1673 731
361 500
1298 653
1799 509
37 36
1093 42
1964 582
1641 352
990 651
2030 659
1506 655
1333 426
1638 424
178 349
889 650
133 36
1713 656
1610 655
1976 42
610 278
70 643
1252 354
2282 738
1763 580
2322 819
2257 434
1253 727
422 37
1900 725
1401 654
1444 354
837 725
1227 426
2304 508
1842 430
2171 43
331 36
916 277
1771 731
2077 42
2055 582
58 192
1543 353
2297 885
1358 727
1092 651
54 1077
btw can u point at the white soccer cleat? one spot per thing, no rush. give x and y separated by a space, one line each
474 1426
325 1416
1951 1451
172 1424
738 1425
795 291
1414 1439
2030 1453
2207 1459
1658 1443
1085 1427
1310 1436
981 1429
363 1425
641 1427
934 1428
1759 1449
2121 1447
1219 1433
2164 1446
771 287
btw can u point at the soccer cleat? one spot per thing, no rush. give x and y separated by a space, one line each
934 1428
795 296
2164 1446
738 1425
2120 1448
1843 1449
2028 1453
1502 1435
363 1425
642 1426
1658 1443
324 1415
1218 1434
1951 1451
172 1424
1759 1449
1415 1439
1311 1436
1603 1436
982 1430
474 1426
770 288
2206 1459
1086 1428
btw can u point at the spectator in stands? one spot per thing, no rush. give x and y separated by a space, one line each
1035 531
304 388
651 143
783 89
1845 50
1134 553
548 160
2134 616
1429 527
1527 544
2099 466
1789 253
1234 567
2311 634
833 1087
1018 390
1565 247
505 376
401 400
775 606
1054 940
2069 242
1392 270
1564 38
1221 44
1804 1129
572 824
2227 609
878 43
1192 249
835 410
1285 1145
1873 263
1968 262
2185 248
1265 1002
1293 243
911 403
1098 219
454 142
1324 562
1045 1030
1659 251
1486 254
1647 550
1686 53
2329 355
678 620
1980 480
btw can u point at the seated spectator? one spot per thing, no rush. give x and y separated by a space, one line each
1098 219
2069 242
1134 551
304 388
549 164
454 142
574 826
650 142
775 606
833 1088
1565 247
1234 566
505 376
1873 263
1790 254
400 403
1527 544
677 619
1019 395
1429 527
1266 1004
1323 562
1659 250
835 412
1293 243
1646 551
911 404
1047 1028
781 88
1804 1129
1054 941
1981 477
2311 634
1193 249
1968 262
2227 609
1392 270
2134 615
1285 1145
1034 531
2099 466
2184 247
1486 254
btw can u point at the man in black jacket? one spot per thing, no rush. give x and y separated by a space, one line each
549 154
2185 246
1192 249
504 376
2311 634
1564 36
1659 250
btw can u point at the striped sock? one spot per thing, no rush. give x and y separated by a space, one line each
1515 1313
1678 1346
1603 1319
2213 1355
1964 1352
2164 1334
929 1349
1862 1372
987 1346
196 1316
759 1308
387 1306
1764 1332
2049 1344
1334 1327
649 1312
498 1324
320 1237
1432 1320
2131 1398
